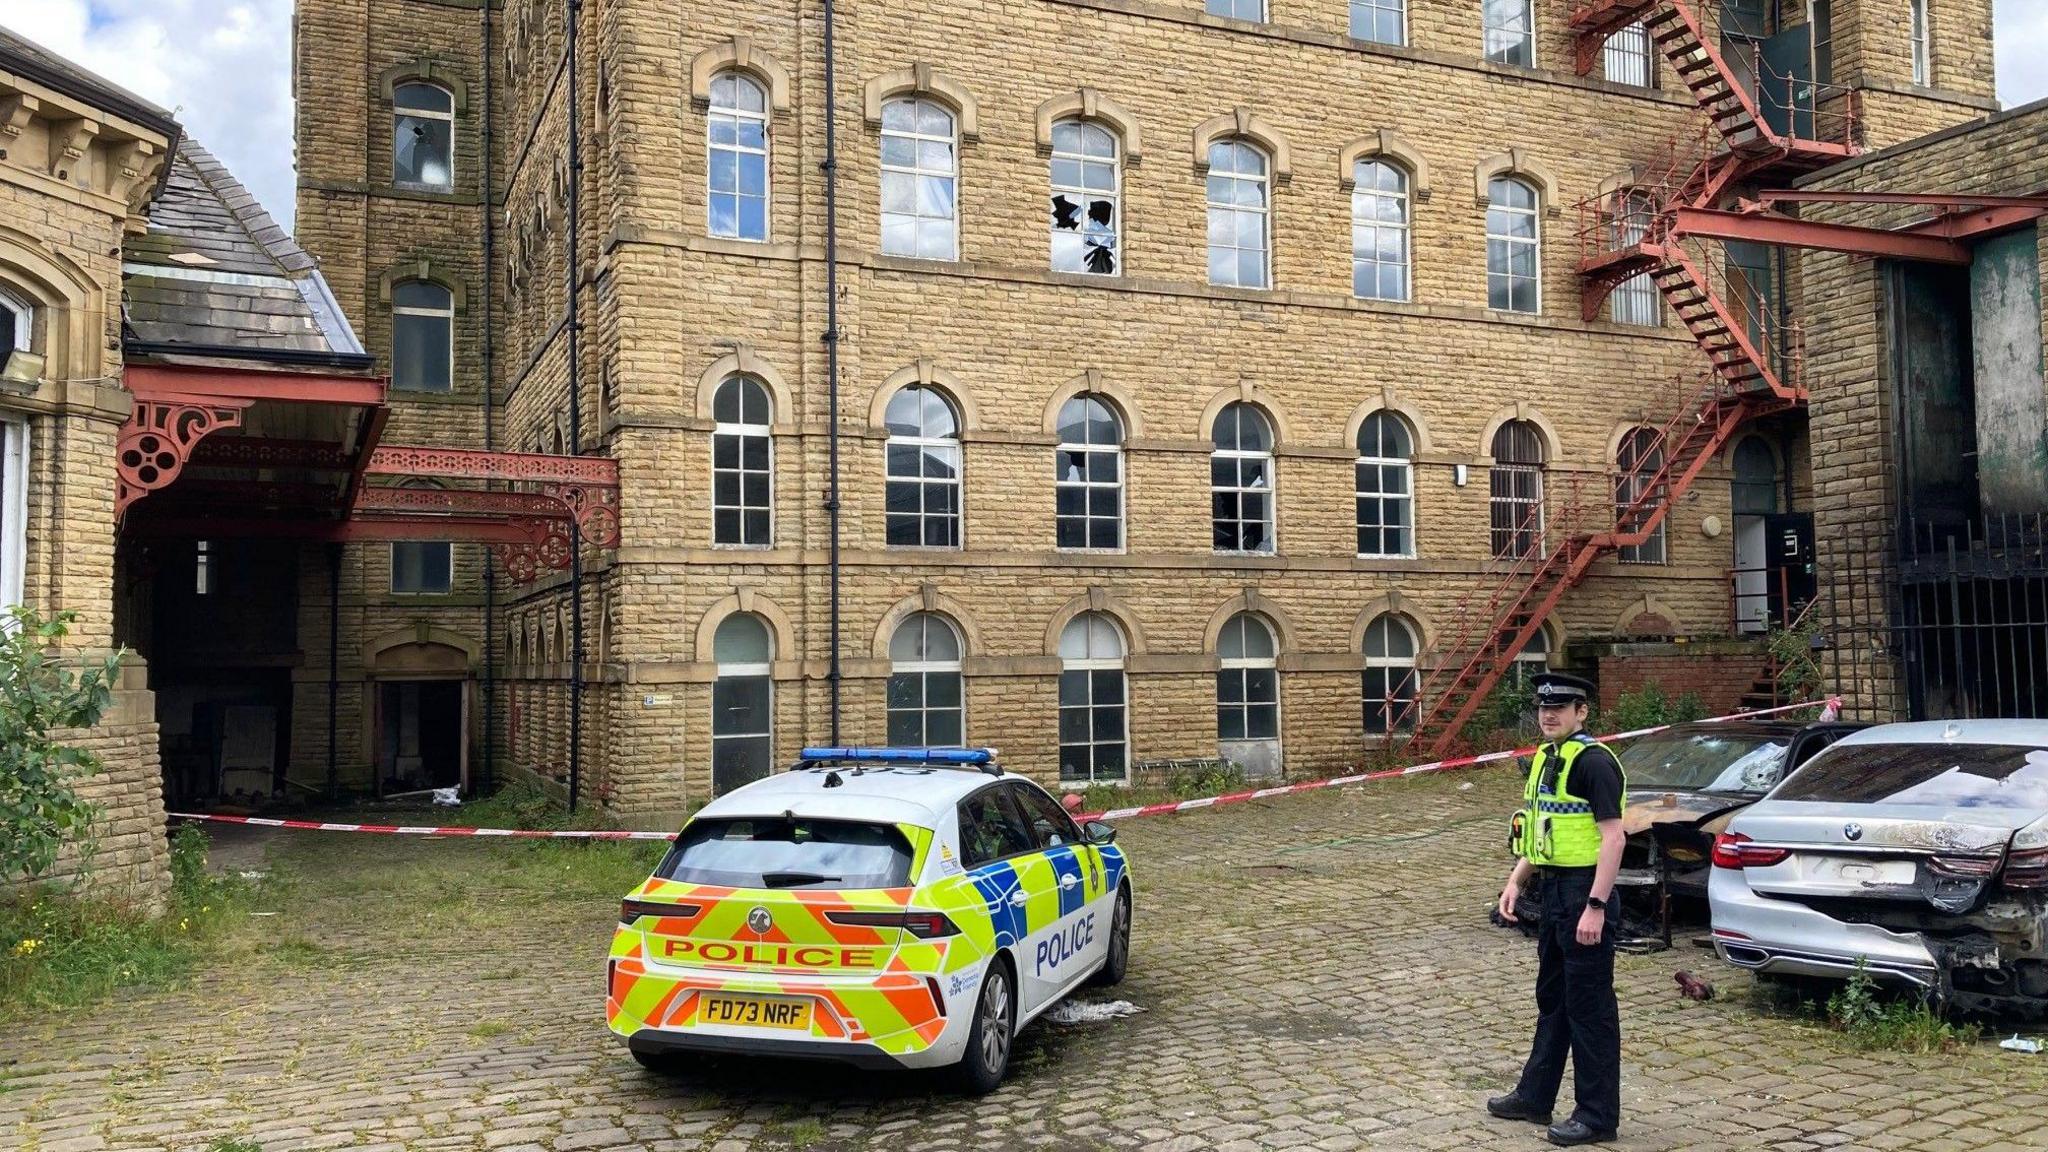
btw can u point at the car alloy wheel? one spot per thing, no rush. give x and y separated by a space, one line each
995 1020
1120 932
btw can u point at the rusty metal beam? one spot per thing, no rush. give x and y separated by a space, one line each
469 464
1935 199
1969 224
1784 231
270 452
154 380
466 529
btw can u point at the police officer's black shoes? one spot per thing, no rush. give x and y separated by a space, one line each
1513 1107
1574 1132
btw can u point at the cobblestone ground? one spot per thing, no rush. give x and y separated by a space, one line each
1316 972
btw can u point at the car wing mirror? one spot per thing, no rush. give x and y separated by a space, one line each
1099 833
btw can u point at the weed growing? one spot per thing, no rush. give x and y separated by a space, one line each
1868 1018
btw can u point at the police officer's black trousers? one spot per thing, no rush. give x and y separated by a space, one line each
1576 1010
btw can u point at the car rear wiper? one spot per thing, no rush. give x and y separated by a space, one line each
792 879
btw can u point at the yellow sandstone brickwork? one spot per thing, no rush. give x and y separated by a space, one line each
666 311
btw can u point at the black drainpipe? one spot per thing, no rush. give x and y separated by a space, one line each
490 764
574 224
334 668
831 167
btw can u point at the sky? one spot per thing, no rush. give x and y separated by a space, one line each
224 66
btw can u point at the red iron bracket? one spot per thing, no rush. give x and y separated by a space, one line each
158 439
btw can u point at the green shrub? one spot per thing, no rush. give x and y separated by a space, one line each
40 809
1648 707
1213 779
1869 1018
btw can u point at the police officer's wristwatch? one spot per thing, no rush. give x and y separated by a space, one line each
1596 902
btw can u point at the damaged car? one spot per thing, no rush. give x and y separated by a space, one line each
1686 782
1915 852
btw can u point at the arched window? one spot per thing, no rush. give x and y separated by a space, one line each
1389 684
1087 200
17 324
1638 491
1089 475
1380 21
923 493
423 136
1241 480
422 337
1510 32
925 697
742 464
1517 488
1386 486
1238 215
1248 684
1512 246
1253 10
1533 659
742 702
1094 732
738 204
1634 300
920 215
1379 231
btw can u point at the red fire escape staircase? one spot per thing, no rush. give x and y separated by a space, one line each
1642 229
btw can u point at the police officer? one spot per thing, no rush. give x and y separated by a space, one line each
1568 837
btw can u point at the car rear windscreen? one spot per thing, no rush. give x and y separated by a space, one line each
1706 761
1943 775
780 852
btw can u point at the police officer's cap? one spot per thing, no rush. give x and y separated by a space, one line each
1555 689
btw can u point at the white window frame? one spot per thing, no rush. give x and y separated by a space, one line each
916 173
1373 8
1087 486
396 591
1083 195
1236 212
446 314
1627 57
1237 457
1534 242
1921 41
1240 665
952 446
1388 665
726 113
1365 221
1496 46
1378 465
1633 478
925 670
202 567
22 338
1209 7
400 112
14 483
1091 664
742 432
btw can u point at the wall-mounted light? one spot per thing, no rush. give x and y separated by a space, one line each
1459 475
23 371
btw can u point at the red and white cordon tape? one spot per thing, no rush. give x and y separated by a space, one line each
1832 703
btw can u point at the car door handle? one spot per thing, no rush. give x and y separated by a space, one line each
1069 880
1019 898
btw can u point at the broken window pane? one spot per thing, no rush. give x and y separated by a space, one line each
423 136
1085 187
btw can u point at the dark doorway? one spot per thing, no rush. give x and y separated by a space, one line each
420 728
1789 542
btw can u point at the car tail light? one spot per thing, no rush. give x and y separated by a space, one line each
923 925
632 910
1965 867
2027 869
1734 850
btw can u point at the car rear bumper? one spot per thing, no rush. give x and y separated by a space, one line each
1785 937
880 1020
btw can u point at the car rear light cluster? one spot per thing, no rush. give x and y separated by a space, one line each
2026 869
923 925
1734 850
1964 867
632 910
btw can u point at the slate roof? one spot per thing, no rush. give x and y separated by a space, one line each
216 276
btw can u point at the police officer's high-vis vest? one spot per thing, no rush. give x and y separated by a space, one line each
1555 827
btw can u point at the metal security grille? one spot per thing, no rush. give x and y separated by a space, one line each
1516 480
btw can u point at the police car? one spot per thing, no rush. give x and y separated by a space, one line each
884 907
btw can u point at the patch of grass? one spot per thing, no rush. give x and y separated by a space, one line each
61 950
486 1029
806 1132
230 1144
1868 1018
297 951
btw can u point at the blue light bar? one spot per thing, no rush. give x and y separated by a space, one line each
970 756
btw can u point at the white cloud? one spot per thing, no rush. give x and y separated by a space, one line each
223 67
